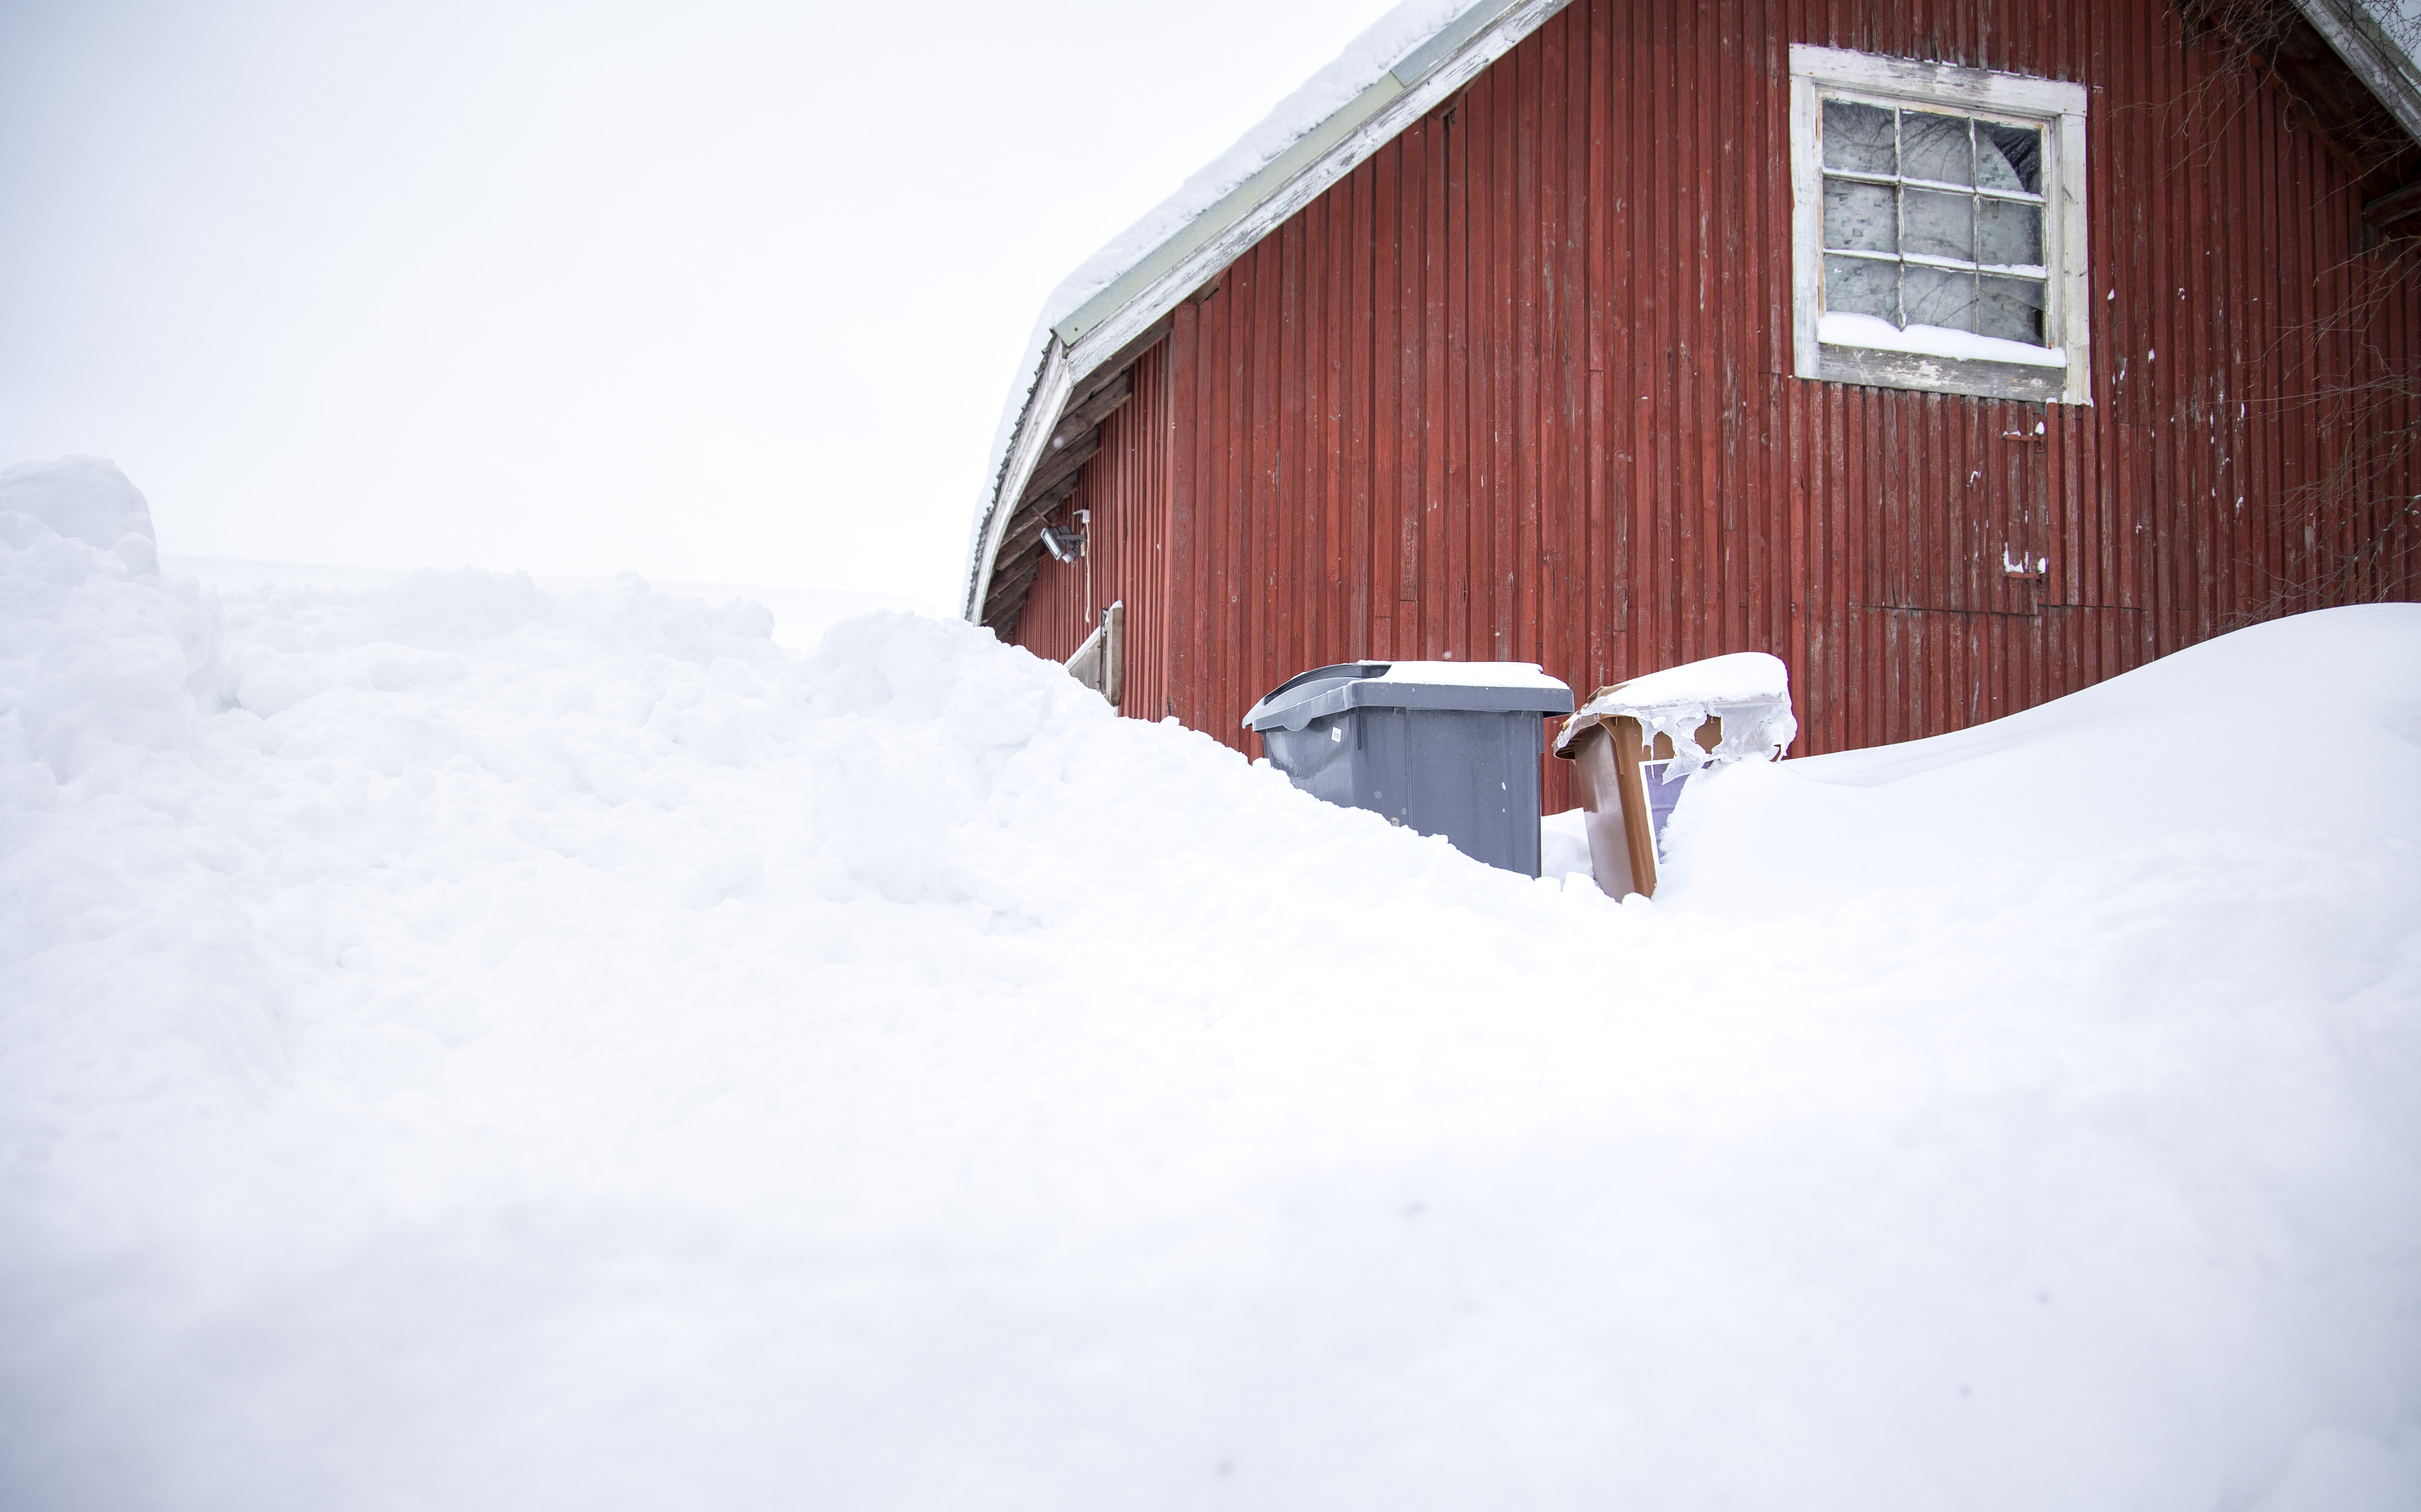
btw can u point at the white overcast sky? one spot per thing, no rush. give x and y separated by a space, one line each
707 290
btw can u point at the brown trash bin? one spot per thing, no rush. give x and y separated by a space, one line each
1607 740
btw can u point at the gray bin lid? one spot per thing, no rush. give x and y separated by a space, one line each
1473 687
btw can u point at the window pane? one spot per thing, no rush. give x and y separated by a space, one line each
1935 147
2013 308
2009 157
1860 215
2008 233
1857 137
1866 288
1935 296
1941 225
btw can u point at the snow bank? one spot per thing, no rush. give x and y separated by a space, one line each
800 615
2181 747
99 655
86 499
471 1046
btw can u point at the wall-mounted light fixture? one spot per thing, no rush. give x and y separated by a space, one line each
1064 543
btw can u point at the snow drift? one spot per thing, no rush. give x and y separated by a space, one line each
464 1046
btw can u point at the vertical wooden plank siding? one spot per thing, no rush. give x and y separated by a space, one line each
1519 388
1127 489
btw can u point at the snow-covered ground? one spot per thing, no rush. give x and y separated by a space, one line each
801 614
468 1046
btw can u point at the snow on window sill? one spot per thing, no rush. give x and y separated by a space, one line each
1842 328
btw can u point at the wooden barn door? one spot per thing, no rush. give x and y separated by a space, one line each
1960 541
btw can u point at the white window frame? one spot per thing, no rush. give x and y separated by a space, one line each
1820 74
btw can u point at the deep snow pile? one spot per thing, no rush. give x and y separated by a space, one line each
466 1047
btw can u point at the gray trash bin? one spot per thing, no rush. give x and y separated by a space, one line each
1448 748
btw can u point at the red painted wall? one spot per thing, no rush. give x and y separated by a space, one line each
1520 387
1126 488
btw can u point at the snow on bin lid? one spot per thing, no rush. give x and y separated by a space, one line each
1748 689
1741 678
1478 687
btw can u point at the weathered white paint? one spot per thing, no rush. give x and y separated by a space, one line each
2055 104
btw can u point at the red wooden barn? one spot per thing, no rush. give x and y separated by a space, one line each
1961 353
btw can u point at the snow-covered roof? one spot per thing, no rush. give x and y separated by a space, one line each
1411 59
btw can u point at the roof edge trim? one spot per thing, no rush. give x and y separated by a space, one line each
1414 69
1238 202
2375 59
1045 403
